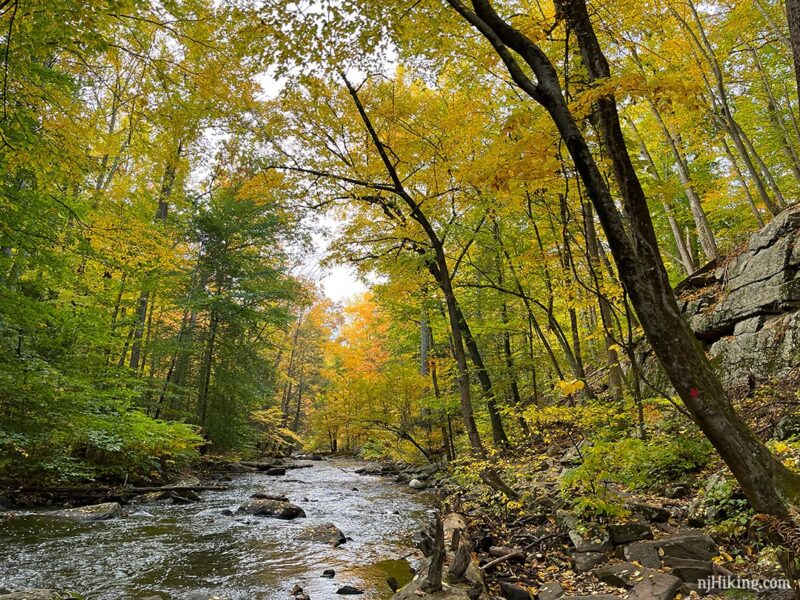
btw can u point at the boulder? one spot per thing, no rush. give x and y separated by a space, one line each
629 532
689 570
89 514
271 508
624 575
417 484
643 553
326 533
658 586
745 310
328 574
274 471
586 561
692 544
566 520
591 541
514 592
649 512
550 591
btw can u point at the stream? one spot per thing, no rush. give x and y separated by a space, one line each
197 551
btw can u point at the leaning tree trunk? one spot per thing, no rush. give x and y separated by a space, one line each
768 485
793 18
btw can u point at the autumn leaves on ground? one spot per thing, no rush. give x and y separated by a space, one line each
520 184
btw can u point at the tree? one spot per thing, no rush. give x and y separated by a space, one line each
769 485
793 18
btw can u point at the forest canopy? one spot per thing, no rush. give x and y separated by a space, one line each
521 184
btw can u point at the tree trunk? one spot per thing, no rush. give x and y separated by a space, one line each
743 183
167 183
687 260
205 373
498 432
775 116
767 484
793 18
593 253
704 232
441 274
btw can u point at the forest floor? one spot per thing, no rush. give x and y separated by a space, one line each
669 541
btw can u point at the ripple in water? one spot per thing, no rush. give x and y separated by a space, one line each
195 551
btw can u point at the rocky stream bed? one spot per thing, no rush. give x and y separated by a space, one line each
317 525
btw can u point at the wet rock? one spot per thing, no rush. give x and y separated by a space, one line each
298 593
150 498
694 545
329 574
271 508
624 575
275 471
550 591
417 484
264 496
642 553
586 561
393 584
327 533
349 590
513 592
689 570
90 514
659 586
629 532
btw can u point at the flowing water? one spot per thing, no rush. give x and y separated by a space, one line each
196 551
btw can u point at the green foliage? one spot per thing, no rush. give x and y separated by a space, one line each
144 278
729 512
640 464
633 463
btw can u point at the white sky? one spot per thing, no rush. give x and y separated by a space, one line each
338 282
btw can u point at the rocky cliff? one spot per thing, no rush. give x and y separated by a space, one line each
746 308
